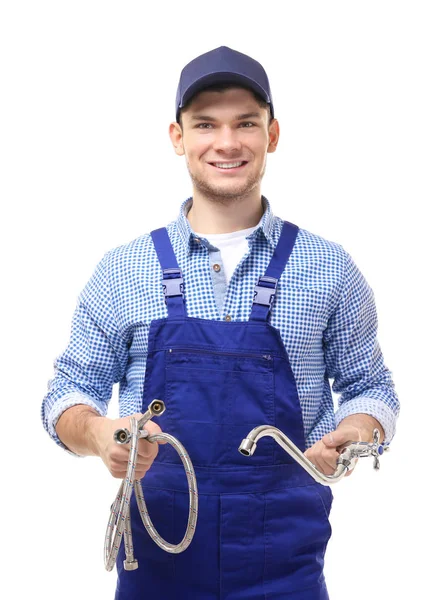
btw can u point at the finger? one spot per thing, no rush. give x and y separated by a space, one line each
336 439
323 458
117 461
324 466
329 460
140 473
147 450
151 427
142 467
313 453
154 429
118 474
120 470
117 456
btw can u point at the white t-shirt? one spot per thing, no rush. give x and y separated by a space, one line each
232 246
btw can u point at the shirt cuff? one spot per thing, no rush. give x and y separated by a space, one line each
369 406
61 406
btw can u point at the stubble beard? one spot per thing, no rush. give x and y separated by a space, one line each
226 194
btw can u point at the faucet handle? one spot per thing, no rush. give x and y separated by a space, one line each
375 449
357 450
378 449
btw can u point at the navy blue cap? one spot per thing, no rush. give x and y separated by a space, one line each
222 65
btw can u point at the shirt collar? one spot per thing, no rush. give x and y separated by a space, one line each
187 235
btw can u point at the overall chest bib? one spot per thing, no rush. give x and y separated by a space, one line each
263 523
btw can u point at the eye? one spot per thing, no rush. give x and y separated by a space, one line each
209 125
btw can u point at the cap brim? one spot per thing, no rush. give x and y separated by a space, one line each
224 77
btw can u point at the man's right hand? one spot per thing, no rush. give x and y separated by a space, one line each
87 433
114 455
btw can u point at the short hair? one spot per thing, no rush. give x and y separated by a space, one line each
222 87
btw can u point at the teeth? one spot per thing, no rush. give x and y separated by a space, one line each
228 165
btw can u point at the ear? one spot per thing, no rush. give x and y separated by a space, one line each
273 135
176 135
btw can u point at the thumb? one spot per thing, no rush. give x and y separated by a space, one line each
336 438
151 427
154 429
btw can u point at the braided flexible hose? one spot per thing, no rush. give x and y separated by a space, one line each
120 522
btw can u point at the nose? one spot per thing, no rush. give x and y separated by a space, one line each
226 140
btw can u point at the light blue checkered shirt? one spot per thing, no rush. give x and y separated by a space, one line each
324 311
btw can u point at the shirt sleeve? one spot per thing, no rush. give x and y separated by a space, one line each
95 357
353 356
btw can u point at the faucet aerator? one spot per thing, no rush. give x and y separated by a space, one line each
247 447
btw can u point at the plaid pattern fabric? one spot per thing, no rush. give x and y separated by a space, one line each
324 311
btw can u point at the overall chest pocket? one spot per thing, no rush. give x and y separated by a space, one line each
213 399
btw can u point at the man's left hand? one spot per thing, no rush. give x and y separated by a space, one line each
355 428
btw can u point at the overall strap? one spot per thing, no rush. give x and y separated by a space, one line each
172 282
265 289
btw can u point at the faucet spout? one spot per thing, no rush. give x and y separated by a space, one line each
248 447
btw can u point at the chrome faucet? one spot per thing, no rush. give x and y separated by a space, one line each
345 462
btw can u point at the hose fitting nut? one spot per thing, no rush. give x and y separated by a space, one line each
122 436
130 565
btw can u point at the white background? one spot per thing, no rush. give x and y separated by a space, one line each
88 91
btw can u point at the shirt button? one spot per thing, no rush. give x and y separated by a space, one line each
197 240
216 267
228 318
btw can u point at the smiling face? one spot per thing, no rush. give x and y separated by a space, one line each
223 128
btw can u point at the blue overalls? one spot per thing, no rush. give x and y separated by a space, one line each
263 524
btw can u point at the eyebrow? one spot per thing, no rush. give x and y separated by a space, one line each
250 115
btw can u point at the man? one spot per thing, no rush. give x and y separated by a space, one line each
253 318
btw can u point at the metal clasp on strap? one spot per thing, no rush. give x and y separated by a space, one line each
265 291
172 286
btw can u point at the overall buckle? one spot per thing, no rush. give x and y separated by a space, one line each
172 286
265 291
